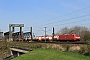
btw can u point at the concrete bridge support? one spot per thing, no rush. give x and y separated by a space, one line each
11 29
15 52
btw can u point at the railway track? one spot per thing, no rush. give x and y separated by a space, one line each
55 42
80 42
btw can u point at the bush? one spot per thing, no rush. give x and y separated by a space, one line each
85 49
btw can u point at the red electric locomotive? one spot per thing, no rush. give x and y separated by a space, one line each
68 37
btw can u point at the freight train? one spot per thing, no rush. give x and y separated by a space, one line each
27 37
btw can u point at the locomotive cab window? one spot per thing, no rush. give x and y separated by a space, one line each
73 35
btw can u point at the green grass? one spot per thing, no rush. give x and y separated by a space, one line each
50 54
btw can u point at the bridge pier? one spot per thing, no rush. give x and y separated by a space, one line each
11 52
18 54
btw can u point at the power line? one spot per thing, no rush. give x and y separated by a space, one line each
69 19
66 20
68 13
64 15
69 23
72 22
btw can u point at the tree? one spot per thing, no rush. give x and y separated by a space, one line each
64 30
86 35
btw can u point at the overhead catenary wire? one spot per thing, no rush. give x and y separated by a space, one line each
58 17
68 24
71 23
64 20
51 23
75 22
66 14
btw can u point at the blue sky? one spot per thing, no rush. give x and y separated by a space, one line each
44 13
